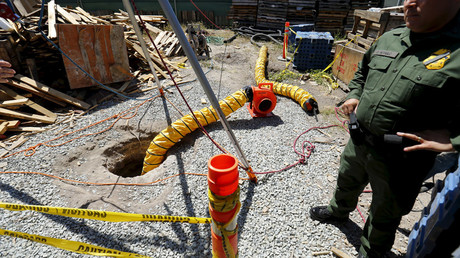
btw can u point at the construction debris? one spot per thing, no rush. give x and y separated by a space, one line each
46 76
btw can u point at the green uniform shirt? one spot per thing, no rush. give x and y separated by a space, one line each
396 90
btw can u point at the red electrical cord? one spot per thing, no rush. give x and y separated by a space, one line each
204 14
173 80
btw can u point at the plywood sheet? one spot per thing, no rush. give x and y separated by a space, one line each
99 49
346 64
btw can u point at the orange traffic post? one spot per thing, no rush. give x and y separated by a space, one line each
285 43
224 204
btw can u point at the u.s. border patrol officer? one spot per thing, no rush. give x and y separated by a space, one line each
407 85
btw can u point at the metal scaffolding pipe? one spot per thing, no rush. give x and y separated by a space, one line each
174 22
133 20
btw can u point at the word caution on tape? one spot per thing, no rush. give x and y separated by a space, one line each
69 245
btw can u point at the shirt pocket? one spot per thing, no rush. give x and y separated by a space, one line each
378 66
416 86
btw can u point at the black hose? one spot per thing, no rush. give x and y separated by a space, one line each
231 39
261 35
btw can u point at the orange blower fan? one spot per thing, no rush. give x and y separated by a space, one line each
263 101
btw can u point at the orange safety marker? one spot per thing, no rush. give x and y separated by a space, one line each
285 43
224 204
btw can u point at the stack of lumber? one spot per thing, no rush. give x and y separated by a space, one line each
16 108
41 84
301 12
27 41
244 12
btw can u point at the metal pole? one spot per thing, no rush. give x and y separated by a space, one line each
201 76
140 37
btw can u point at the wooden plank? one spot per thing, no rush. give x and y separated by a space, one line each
76 16
20 7
3 127
27 129
153 28
41 109
67 16
62 96
171 47
340 253
99 49
160 36
346 64
377 17
52 34
31 89
30 103
15 102
13 124
27 116
95 19
138 49
17 143
3 153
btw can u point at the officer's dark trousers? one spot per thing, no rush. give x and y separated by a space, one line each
395 177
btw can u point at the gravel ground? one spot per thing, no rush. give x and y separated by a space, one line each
273 221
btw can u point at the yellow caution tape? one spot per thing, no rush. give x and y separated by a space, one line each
182 65
69 245
102 215
341 50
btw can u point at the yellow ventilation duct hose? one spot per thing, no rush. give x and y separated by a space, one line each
176 131
305 99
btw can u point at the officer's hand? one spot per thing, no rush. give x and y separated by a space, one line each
5 71
434 140
349 106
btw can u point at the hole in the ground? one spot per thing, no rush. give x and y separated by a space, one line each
127 158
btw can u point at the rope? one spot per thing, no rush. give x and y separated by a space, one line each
127 114
100 184
305 153
172 78
104 184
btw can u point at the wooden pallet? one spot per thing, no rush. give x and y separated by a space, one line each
368 26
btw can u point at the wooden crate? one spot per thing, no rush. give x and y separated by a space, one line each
346 64
98 49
